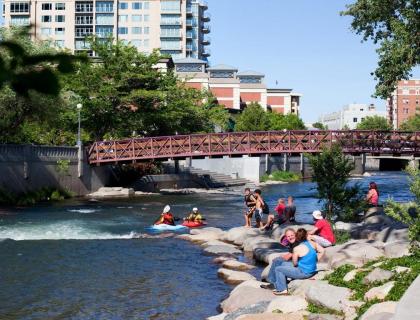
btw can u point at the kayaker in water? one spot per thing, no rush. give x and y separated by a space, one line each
194 216
166 217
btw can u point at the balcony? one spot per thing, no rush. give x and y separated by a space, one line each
206 53
80 21
204 5
191 35
191 23
171 35
205 28
170 22
206 17
189 10
206 41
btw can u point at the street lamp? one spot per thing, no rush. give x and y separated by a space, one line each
79 107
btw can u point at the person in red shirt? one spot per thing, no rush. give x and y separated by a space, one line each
322 233
166 217
373 195
278 218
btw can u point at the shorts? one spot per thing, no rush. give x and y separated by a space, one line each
250 212
258 215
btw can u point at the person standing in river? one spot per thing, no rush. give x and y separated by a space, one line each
259 207
372 196
250 203
290 210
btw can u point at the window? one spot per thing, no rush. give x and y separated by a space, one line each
170 32
123 5
170 19
59 31
102 31
170 6
46 19
82 32
60 6
104 6
146 30
59 43
84 19
81 44
354 119
122 30
146 5
136 18
105 19
19 20
123 18
146 43
46 6
60 18
84 7
170 45
146 18
136 5
136 30
46 31
405 110
16 7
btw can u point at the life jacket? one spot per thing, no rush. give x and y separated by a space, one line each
248 201
168 218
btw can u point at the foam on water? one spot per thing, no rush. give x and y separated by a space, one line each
83 210
65 230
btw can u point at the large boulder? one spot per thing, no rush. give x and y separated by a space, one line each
380 292
392 233
238 235
377 275
245 296
322 316
207 229
218 317
234 277
236 265
346 226
205 236
287 304
299 287
397 249
256 308
278 230
382 309
250 244
268 255
112 192
223 250
273 316
216 243
250 283
408 307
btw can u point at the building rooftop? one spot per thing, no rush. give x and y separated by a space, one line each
278 90
222 67
250 73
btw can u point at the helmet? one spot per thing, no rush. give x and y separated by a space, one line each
166 209
195 209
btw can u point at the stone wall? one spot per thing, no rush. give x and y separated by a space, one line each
26 168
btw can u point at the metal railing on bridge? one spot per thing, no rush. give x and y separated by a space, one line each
253 143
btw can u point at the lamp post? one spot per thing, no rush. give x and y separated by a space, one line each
79 107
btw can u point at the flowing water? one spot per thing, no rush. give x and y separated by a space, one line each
97 260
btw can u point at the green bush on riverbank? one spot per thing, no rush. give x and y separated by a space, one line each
33 197
285 176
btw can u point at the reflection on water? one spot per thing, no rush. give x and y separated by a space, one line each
94 260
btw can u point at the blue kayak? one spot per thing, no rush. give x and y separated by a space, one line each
167 227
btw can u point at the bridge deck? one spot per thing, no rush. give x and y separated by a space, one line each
253 143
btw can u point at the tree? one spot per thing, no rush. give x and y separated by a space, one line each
411 124
331 172
320 126
289 122
394 25
253 118
374 123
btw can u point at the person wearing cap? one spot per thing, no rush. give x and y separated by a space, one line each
194 216
166 217
322 233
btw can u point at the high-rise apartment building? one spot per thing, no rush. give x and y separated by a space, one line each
177 27
404 102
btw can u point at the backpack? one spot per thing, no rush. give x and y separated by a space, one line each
266 208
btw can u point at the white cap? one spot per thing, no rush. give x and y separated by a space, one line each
317 215
195 209
166 209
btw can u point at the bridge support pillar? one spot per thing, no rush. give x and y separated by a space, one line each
80 161
302 165
285 162
363 162
414 163
176 166
188 162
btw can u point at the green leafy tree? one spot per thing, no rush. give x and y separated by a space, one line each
374 123
253 118
289 122
331 172
408 213
411 124
395 27
319 126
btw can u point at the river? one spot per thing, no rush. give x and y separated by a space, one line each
93 260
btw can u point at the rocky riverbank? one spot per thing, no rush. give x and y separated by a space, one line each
377 238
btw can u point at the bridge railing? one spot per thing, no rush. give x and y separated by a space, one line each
253 143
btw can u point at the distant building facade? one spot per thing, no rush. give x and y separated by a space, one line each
404 102
176 27
350 116
235 89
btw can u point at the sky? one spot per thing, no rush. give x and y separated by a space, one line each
305 45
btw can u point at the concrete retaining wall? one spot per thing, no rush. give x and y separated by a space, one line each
26 168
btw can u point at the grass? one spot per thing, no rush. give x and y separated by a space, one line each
313 308
285 176
33 197
342 236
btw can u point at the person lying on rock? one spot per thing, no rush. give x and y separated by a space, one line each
166 217
322 233
289 241
304 258
194 216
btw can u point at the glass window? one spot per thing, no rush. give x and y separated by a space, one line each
146 30
59 43
19 7
170 45
81 44
60 6
354 119
170 32
136 30
84 7
102 31
60 18
19 20
146 5
46 19
123 5
84 19
136 43
84 31
46 31
123 18
105 19
170 19
104 6
46 6
146 18
146 43
136 17
136 5
59 31
122 30
170 6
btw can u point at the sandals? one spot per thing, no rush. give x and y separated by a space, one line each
280 293
267 286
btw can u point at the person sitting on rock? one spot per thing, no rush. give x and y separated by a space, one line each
166 217
194 216
250 203
290 210
276 218
322 233
372 196
288 240
304 259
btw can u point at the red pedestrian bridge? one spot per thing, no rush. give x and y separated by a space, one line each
254 144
